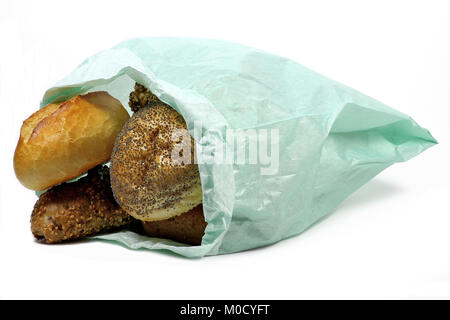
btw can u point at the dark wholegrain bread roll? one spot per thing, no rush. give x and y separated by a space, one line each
188 227
75 210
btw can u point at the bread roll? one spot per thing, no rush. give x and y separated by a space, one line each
146 180
63 140
75 210
188 227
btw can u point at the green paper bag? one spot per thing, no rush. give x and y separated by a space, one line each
331 139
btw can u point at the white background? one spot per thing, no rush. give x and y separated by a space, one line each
390 239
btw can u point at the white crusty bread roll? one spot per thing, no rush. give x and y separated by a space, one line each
63 140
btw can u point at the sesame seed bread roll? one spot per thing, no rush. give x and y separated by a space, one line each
147 182
63 140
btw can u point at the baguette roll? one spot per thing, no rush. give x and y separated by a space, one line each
63 140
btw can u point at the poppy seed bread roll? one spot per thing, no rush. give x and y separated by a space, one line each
63 140
147 181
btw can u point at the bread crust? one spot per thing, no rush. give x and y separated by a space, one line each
63 140
188 227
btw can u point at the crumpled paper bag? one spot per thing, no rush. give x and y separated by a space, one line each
332 139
